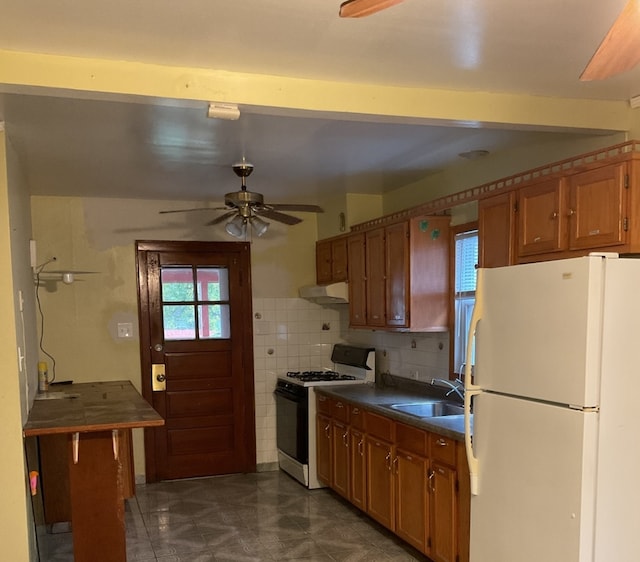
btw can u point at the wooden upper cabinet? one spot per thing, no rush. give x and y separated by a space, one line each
323 262
597 207
397 273
406 276
357 280
580 212
497 230
428 293
375 277
339 259
540 228
331 260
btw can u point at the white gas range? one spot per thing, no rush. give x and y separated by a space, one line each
296 407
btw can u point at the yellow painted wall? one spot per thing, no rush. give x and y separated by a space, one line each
98 235
14 512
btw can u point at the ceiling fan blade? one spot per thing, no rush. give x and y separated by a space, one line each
221 218
196 209
276 216
620 49
293 207
361 8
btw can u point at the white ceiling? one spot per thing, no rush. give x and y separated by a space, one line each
75 145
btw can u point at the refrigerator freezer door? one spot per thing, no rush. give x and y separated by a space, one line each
539 335
536 482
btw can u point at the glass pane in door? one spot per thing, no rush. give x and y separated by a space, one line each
213 283
179 322
177 284
213 321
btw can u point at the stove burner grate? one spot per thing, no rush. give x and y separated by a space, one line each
315 376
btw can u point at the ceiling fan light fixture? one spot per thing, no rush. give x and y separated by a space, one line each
259 226
237 226
362 8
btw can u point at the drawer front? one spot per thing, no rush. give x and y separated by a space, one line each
411 439
323 404
442 449
340 410
356 417
379 426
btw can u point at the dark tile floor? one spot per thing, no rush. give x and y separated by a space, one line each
248 517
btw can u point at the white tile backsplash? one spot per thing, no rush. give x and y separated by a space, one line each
290 334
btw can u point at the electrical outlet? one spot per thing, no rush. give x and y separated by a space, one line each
125 330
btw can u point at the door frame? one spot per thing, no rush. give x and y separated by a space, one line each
242 251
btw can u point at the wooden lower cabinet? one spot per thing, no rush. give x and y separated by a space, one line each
412 481
340 458
380 485
358 494
444 536
412 500
323 445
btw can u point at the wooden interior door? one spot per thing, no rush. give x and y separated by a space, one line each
197 357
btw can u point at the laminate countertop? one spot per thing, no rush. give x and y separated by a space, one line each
378 399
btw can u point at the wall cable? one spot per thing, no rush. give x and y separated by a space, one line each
39 270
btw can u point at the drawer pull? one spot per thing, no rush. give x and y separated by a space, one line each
339 405
441 443
355 411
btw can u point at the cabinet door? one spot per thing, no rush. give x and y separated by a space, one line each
411 499
496 230
358 469
397 274
323 262
339 260
540 228
442 485
340 458
323 448
597 207
376 286
357 280
380 492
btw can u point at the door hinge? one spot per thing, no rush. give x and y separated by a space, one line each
625 224
626 181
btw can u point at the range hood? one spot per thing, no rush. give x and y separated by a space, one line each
334 293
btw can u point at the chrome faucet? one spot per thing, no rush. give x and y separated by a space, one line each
456 386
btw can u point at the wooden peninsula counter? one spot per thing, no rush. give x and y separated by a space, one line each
95 417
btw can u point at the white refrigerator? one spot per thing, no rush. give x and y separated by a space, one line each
555 453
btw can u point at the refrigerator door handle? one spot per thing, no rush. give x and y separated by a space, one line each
471 389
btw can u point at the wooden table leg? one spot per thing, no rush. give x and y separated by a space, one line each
97 501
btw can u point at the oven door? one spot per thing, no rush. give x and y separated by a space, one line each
292 418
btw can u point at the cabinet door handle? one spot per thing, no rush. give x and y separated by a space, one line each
395 465
387 460
554 215
345 440
326 431
571 212
361 448
432 484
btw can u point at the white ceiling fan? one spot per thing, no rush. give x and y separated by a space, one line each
246 208
620 49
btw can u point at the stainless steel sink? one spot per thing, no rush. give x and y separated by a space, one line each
429 409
